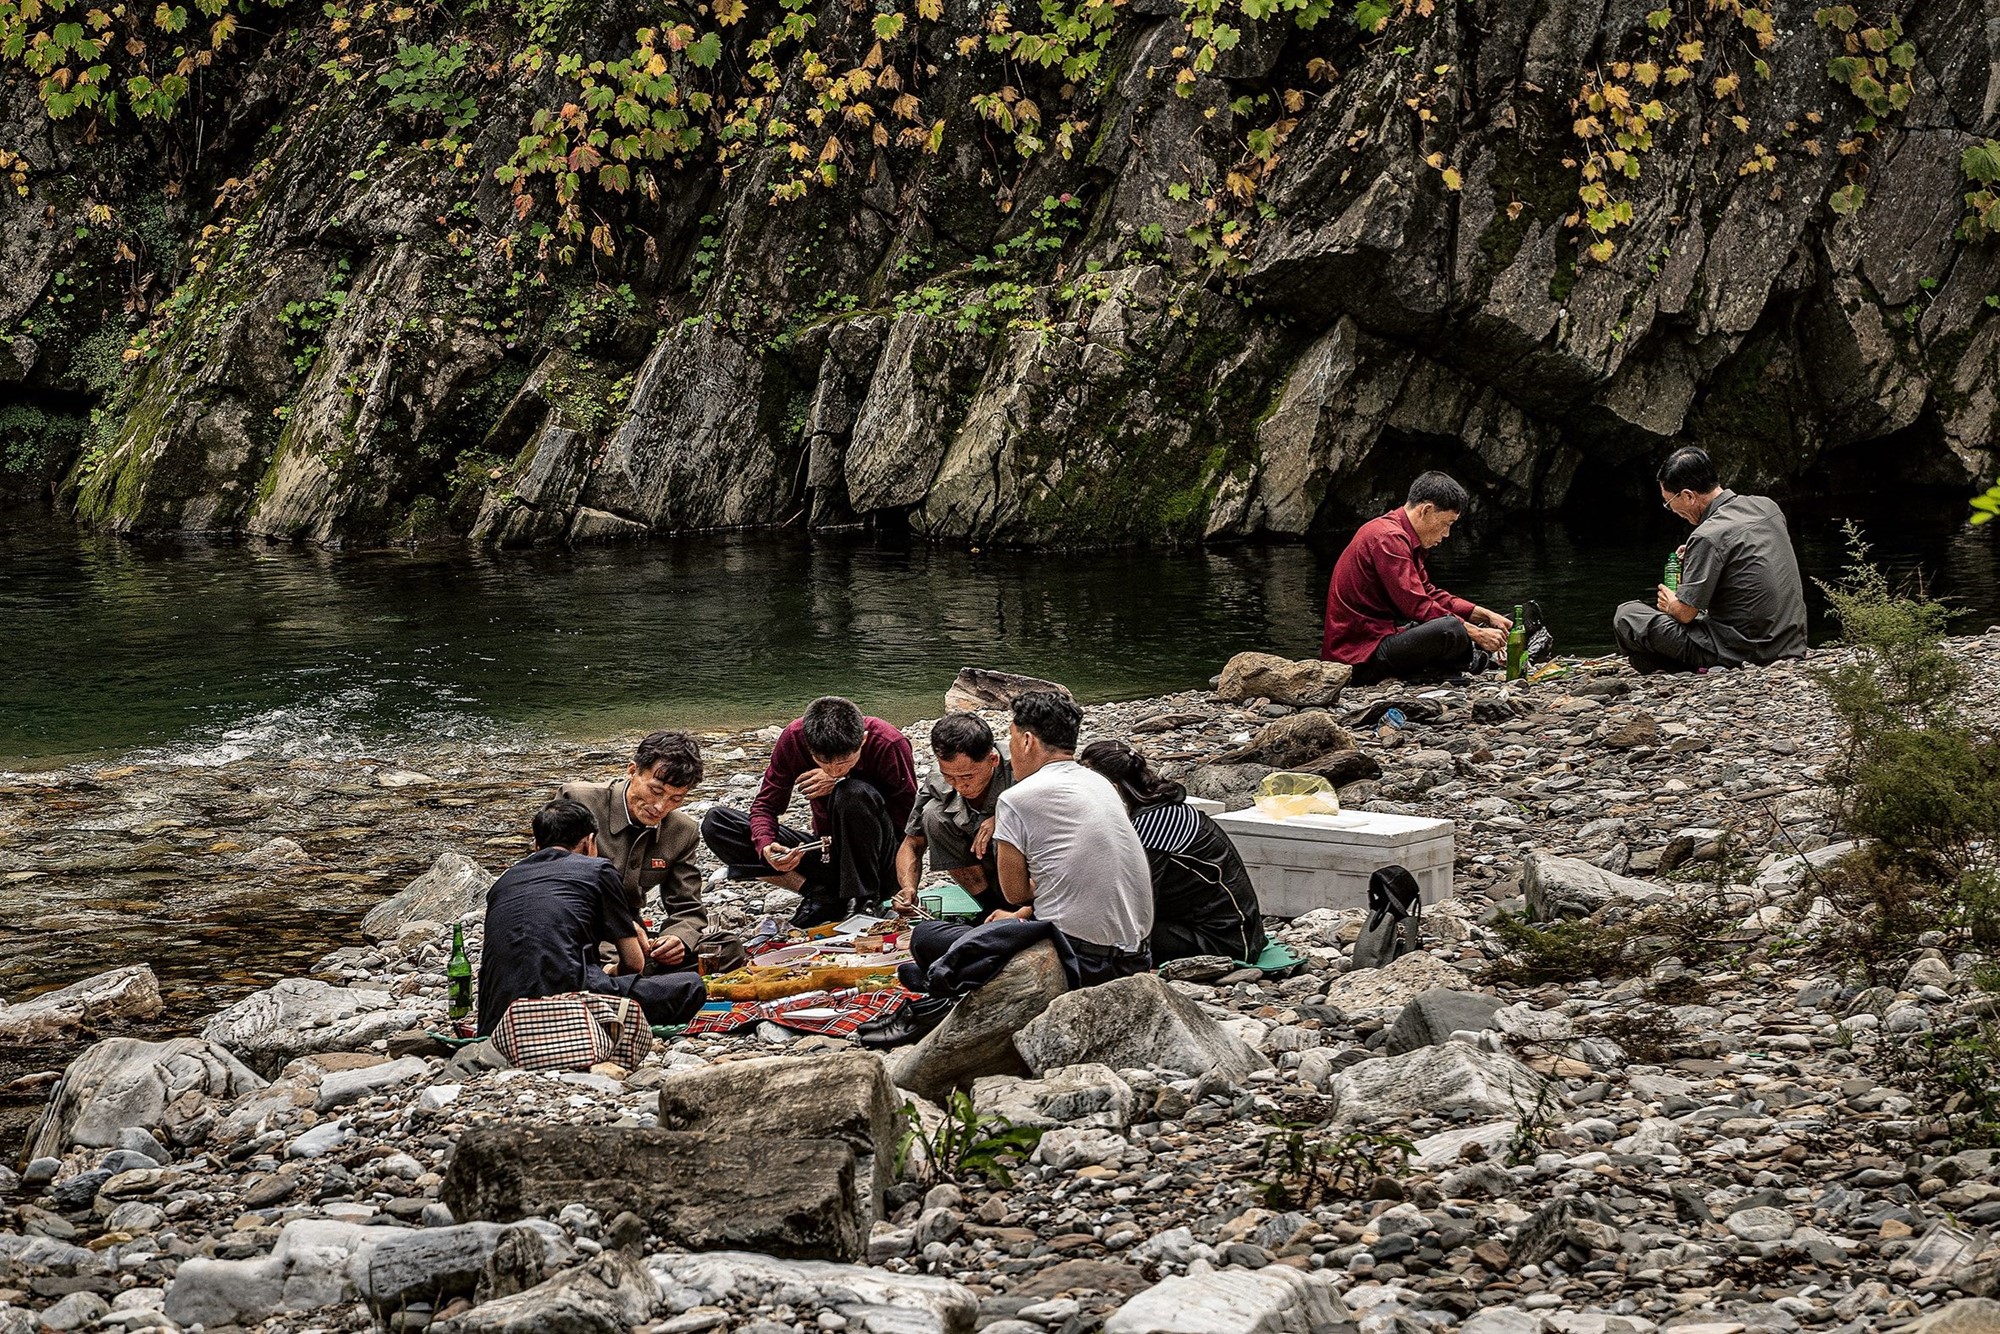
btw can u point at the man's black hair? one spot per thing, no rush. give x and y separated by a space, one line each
1689 469
961 735
679 752
1052 717
832 728
1440 490
563 824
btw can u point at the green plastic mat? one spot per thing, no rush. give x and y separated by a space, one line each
1275 959
452 1040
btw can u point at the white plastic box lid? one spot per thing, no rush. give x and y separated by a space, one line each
1362 828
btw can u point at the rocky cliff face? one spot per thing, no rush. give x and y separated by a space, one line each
1102 272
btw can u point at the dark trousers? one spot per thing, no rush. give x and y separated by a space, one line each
1094 963
1653 641
858 875
1432 650
1185 940
667 998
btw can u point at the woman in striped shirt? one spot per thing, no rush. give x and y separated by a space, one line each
1203 902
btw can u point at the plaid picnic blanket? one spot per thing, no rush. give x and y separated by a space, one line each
853 1009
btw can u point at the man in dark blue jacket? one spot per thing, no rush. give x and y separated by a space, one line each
546 916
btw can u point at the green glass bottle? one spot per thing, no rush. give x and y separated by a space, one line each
458 977
1517 646
1672 579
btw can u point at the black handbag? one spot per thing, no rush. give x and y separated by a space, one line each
1541 639
1395 919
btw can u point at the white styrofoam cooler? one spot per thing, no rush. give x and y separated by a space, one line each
1205 805
1324 861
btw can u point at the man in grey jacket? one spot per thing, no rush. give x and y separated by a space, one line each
1740 598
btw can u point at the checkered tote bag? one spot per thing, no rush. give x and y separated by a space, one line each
573 1031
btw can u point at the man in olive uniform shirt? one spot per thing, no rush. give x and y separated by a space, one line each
641 831
954 814
1740 598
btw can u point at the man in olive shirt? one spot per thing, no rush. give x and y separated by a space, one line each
641 831
953 816
1740 598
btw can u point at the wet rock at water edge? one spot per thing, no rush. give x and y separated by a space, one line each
454 886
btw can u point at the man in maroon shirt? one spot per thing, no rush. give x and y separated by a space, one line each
1385 617
860 780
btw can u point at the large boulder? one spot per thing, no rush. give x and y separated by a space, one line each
1453 1080
163 1087
789 1197
1566 887
746 1280
1967 1315
1341 767
1431 1019
1134 1022
1085 1095
432 1265
340 1087
1308 683
1274 1300
844 1096
977 1037
454 886
1234 785
982 688
1397 984
123 993
324 1262
309 1267
299 1016
1287 743
1790 872
611 1294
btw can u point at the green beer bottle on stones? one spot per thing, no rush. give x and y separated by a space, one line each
458 977
1517 647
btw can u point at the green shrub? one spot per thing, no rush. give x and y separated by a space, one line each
1918 777
36 446
967 1144
1564 951
1914 776
1308 1158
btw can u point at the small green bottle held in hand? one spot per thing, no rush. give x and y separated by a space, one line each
458 977
1672 578
1517 647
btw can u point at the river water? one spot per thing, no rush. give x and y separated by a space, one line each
205 651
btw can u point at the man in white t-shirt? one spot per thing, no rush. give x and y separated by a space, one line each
1067 853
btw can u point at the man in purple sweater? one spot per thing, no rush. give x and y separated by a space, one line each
860 780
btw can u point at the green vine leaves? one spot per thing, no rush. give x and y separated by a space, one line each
1877 65
1981 165
1624 105
104 59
